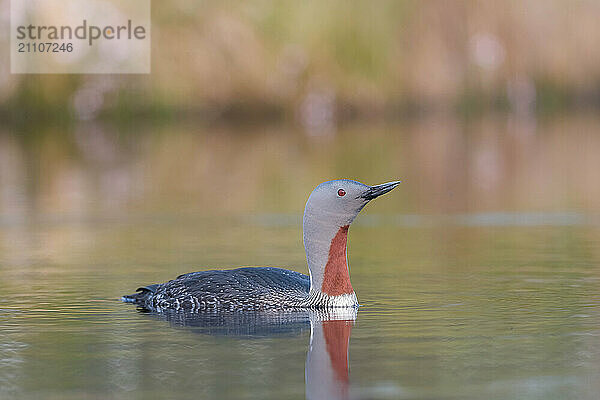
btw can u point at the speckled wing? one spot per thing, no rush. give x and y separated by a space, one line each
241 288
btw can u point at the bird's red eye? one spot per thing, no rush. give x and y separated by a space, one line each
341 192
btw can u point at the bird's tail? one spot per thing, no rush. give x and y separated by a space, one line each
141 294
131 298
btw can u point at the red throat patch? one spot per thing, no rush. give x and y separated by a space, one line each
336 280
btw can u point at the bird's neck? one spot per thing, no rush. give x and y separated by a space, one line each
325 246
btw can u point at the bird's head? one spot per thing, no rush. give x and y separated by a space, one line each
338 202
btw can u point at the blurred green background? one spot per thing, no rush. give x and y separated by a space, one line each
267 60
476 105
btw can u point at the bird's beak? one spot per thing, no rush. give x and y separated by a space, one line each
376 191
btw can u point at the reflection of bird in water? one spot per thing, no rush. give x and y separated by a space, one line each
326 369
329 211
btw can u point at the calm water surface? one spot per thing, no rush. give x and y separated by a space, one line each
450 309
479 277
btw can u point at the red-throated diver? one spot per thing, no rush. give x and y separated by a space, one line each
329 211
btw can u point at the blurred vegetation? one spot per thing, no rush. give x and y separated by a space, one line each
324 62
